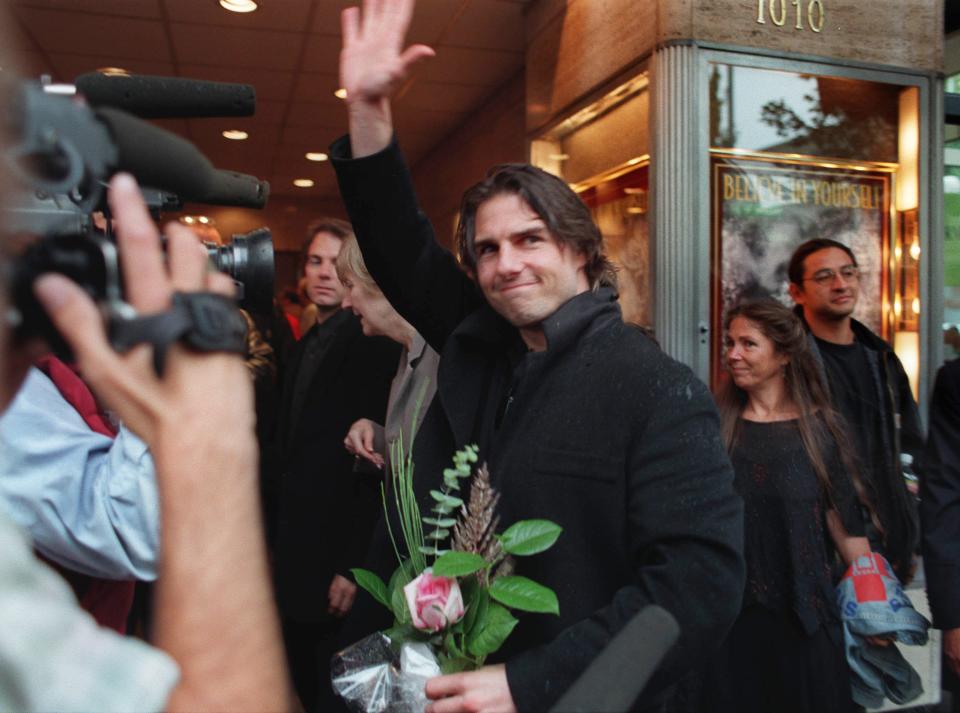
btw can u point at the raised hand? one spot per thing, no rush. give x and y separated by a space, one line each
373 65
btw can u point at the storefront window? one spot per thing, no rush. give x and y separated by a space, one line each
800 156
951 251
602 151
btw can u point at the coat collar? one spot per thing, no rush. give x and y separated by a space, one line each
475 364
861 331
562 328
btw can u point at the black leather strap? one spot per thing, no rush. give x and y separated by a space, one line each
204 321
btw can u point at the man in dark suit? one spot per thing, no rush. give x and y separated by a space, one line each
326 511
940 517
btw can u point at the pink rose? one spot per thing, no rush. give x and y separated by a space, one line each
434 602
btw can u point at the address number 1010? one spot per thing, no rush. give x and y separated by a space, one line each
777 10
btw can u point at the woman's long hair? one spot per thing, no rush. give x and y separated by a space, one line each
819 423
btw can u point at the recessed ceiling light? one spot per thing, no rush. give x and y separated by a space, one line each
303 182
203 219
341 93
235 135
316 156
188 219
238 5
114 71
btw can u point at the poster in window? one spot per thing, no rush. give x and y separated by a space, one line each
763 210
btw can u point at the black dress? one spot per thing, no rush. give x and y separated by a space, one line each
785 651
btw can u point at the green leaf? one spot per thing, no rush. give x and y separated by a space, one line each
489 633
525 594
476 600
458 564
402 576
442 522
456 665
437 535
450 645
446 500
372 583
528 537
398 605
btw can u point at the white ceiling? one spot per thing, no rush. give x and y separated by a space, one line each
288 49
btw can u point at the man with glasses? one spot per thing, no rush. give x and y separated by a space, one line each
869 388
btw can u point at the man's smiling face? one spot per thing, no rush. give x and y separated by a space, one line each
522 270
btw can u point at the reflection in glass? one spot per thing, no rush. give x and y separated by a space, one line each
619 208
784 112
951 253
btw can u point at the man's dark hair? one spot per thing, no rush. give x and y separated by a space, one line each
565 215
335 226
795 269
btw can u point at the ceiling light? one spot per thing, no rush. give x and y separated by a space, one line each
341 93
203 219
316 156
303 182
235 135
61 89
114 71
238 5
188 219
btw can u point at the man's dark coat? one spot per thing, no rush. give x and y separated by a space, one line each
326 510
940 499
601 433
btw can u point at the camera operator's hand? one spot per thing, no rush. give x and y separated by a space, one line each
214 608
373 65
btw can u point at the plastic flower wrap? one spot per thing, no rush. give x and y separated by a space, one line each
372 676
451 603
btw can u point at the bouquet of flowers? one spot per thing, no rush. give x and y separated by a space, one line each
451 595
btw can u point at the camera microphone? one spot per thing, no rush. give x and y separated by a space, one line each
616 678
164 160
235 189
153 97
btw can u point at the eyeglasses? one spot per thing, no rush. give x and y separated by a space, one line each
849 273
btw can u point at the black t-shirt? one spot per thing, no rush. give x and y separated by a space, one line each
787 547
855 396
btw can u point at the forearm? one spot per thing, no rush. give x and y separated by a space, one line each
371 126
849 547
420 278
214 607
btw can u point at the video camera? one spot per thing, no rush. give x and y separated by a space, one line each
62 156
